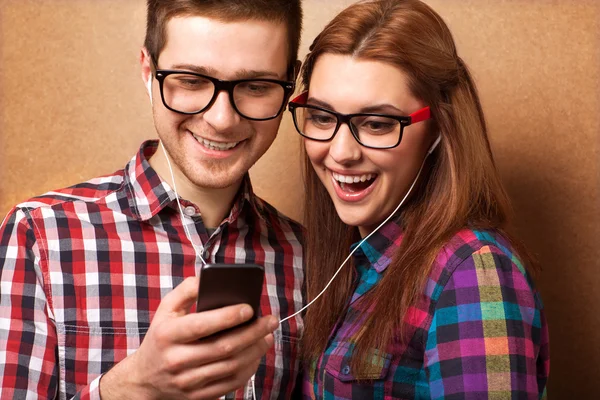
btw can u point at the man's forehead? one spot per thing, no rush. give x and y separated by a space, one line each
235 48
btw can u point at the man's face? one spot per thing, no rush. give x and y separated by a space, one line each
214 149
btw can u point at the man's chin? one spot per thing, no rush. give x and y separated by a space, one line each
215 181
213 175
215 185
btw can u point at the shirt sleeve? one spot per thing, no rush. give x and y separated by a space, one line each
27 336
28 340
488 336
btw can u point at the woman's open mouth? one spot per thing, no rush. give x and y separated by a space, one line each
353 187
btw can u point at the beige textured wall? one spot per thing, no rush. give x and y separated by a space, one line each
72 106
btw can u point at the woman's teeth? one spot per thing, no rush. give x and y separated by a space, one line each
354 183
215 145
352 178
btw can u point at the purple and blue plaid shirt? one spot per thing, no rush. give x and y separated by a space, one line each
477 332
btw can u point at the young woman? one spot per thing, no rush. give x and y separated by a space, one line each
436 301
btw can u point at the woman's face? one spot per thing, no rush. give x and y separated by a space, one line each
349 85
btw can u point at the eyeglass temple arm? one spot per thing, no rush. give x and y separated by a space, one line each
422 115
301 99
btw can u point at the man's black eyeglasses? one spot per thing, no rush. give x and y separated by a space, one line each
190 93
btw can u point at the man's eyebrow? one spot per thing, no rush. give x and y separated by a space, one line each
241 74
252 74
374 109
196 68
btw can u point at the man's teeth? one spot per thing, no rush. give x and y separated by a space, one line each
352 179
215 145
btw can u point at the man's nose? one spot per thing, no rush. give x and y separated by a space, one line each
221 115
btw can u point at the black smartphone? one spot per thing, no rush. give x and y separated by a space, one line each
224 285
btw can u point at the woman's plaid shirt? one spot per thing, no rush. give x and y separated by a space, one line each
478 332
83 270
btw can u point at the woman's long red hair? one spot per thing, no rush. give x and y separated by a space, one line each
459 187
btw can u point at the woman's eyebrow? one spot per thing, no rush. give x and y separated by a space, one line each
383 109
319 103
374 109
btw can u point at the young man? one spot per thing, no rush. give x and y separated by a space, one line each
97 280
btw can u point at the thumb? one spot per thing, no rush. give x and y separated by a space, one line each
179 300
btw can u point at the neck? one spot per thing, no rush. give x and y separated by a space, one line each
214 203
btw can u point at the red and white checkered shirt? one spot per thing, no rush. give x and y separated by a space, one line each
83 270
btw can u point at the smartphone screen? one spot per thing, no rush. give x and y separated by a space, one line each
224 285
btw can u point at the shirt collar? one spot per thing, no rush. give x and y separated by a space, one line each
245 201
148 194
380 247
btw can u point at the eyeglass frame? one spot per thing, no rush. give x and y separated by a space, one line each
222 85
300 102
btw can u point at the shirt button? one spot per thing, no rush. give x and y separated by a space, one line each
190 211
346 370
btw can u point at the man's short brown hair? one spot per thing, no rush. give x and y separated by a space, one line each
160 12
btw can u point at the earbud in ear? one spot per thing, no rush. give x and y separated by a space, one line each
149 87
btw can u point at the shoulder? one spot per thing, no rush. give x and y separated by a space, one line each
476 259
481 267
467 242
478 248
89 192
25 221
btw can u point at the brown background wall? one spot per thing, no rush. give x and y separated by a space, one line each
72 106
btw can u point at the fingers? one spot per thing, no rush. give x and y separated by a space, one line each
194 326
226 385
179 300
228 344
219 347
236 370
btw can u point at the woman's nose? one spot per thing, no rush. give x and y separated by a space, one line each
343 147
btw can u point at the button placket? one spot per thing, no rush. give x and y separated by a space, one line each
195 218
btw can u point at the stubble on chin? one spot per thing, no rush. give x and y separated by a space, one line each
212 174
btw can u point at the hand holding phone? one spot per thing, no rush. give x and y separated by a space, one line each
182 353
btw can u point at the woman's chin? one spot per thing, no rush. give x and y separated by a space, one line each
352 219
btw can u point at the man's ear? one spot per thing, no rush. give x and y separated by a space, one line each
146 65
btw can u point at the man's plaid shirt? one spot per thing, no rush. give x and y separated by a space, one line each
83 270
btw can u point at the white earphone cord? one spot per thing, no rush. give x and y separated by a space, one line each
437 141
187 232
